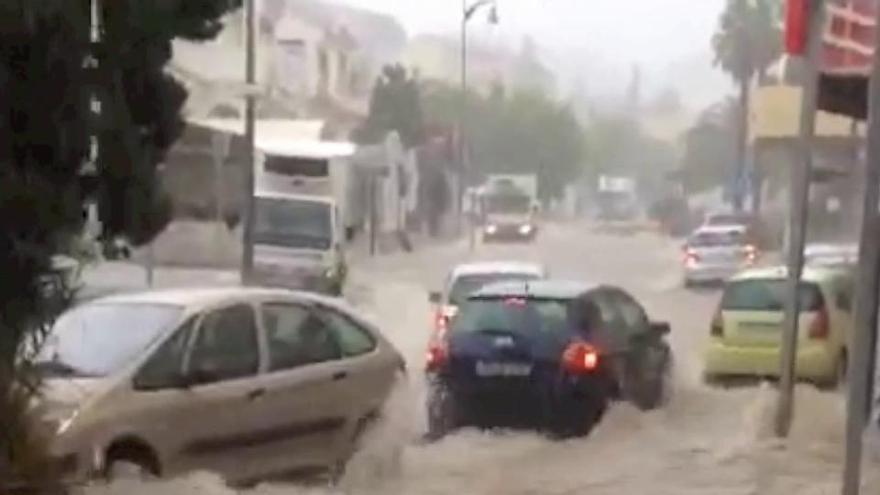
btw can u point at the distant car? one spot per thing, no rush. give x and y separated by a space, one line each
245 382
831 254
747 329
754 226
469 277
713 254
546 354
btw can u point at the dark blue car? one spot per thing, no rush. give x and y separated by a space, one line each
545 354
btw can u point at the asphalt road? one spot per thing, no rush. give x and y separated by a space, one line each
707 441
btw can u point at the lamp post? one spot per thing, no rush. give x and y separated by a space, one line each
467 13
247 262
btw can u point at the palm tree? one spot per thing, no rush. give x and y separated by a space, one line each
747 41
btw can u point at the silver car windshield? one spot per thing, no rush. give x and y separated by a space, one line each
98 339
466 285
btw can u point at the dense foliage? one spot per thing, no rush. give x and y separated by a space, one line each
522 132
748 40
45 123
395 105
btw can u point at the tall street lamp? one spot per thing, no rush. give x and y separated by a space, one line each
247 262
467 13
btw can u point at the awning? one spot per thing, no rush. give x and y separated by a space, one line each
847 51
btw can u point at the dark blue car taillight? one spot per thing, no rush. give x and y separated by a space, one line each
437 357
580 358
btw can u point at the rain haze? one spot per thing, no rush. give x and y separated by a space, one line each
336 249
596 43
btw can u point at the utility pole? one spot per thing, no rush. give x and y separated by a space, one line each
863 343
462 126
89 170
247 262
467 12
797 226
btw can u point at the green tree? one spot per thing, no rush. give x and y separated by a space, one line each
395 105
710 147
45 122
520 131
617 145
747 41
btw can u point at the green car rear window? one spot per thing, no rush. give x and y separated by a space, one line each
768 295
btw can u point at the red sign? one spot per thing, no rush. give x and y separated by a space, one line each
796 26
848 39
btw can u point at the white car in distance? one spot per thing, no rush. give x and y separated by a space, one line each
468 278
713 254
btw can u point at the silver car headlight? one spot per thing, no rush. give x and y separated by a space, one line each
525 229
491 229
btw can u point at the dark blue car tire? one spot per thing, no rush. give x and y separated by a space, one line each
444 413
652 383
579 421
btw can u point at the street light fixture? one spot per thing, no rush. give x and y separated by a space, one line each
468 11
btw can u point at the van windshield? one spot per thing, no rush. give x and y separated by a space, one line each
293 223
768 295
508 203
97 340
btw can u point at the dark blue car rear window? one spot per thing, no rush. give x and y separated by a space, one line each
512 315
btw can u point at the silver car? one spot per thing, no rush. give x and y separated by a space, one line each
831 254
714 254
247 383
467 278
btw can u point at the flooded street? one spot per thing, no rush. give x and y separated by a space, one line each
706 441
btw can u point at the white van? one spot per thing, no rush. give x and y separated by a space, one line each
304 215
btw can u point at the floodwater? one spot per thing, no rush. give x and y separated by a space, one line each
706 441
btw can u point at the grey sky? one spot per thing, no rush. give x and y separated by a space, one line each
602 36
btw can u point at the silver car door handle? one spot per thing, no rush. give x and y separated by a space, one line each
257 394
340 375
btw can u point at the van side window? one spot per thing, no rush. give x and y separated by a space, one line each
226 347
164 369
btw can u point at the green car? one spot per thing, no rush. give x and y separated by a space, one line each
746 333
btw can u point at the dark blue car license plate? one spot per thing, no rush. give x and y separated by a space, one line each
490 369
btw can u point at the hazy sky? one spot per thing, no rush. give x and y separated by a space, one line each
589 36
